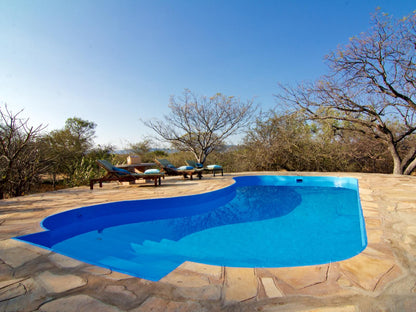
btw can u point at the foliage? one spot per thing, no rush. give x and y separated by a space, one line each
83 172
371 89
201 125
68 150
88 168
281 141
232 159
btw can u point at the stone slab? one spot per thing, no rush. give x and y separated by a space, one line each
185 279
64 261
79 303
301 277
240 284
120 291
16 253
366 271
153 304
206 269
347 308
12 291
270 288
59 283
211 292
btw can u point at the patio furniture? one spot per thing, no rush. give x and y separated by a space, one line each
141 167
209 168
121 175
170 169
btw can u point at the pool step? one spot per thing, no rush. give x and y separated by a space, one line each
124 259
152 247
212 250
123 240
148 248
171 249
163 241
150 268
135 237
93 250
108 246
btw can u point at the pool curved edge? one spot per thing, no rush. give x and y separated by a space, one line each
84 219
72 222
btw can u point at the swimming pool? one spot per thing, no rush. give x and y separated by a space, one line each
259 221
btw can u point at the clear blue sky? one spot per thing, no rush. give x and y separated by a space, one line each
117 62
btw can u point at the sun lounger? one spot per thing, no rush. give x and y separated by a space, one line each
170 169
209 168
121 175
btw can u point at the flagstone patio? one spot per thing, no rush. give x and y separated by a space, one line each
381 278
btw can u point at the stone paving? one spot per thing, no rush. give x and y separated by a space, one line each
381 278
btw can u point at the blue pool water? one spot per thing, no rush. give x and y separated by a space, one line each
259 221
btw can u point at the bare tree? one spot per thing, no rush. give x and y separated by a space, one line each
371 88
20 161
202 124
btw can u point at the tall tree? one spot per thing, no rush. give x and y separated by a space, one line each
371 88
201 124
68 146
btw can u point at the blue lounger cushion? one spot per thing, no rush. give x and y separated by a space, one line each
212 167
186 168
121 171
152 171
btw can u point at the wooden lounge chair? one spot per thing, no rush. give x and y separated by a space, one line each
121 175
170 169
209 168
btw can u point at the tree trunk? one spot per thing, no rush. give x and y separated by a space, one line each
204 158
397 162
54 180
409 169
